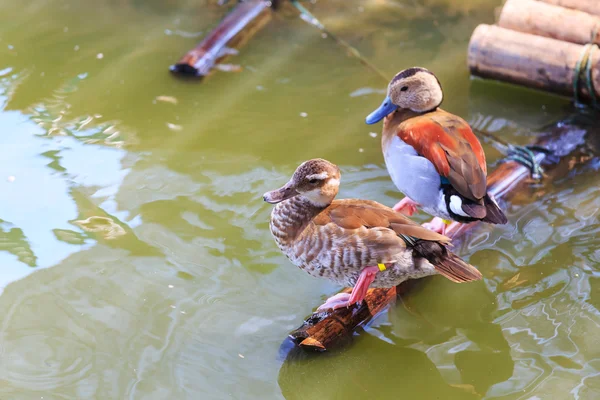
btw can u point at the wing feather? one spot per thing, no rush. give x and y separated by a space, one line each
449 143
354 214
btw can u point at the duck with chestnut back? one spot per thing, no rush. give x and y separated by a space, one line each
432 156
354 243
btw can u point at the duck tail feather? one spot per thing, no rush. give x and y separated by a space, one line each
494 215
448 264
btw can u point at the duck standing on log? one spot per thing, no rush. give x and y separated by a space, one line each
355 243
432 156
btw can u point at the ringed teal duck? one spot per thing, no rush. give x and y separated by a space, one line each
432 156
355 243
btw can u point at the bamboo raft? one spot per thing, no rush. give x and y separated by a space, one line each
550 45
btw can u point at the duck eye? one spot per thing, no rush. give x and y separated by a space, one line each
404 88
313 181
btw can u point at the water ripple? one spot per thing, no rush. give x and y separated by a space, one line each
47 364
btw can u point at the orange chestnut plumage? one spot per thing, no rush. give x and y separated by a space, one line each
432 156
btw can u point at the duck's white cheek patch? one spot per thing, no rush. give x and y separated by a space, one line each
456 206
319 176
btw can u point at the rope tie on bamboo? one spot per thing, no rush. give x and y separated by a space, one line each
584 67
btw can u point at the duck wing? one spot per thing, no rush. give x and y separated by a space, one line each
355 214
383 231
449 143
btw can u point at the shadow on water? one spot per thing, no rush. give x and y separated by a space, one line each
411 351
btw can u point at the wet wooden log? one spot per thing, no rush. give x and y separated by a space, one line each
543 19
530 60
324 331
588 6
233 31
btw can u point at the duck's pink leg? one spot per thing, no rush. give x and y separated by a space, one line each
406 206
359 291
367 276
437 225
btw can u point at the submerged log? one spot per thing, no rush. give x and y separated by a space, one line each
323 331
589 6
537 18
530 60
232 32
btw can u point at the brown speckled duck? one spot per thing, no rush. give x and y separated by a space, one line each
355 243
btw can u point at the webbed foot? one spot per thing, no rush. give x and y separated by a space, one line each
334 302
406 206
359 291
437 225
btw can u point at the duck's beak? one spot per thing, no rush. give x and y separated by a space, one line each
384 109
276 196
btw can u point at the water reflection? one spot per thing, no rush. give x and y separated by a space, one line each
417 347
349 376
40 172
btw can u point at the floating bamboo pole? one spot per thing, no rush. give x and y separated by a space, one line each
588 6
323 331
537 18
233 31
530 60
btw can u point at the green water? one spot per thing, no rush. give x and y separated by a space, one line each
136 261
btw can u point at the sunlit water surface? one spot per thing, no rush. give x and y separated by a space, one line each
135 255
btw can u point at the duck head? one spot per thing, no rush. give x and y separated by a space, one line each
415 89
317 180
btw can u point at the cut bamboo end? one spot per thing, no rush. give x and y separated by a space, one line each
529 60
543 19
588 6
